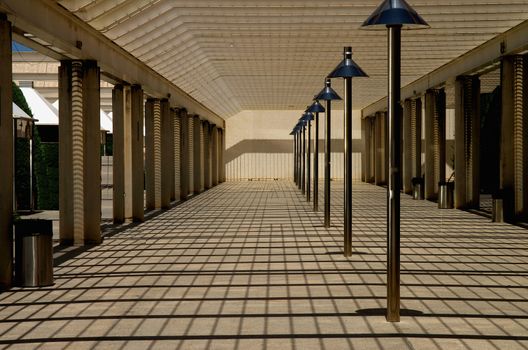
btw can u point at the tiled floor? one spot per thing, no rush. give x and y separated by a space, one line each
248 265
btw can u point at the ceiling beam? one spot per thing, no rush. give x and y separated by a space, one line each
476 61
63 30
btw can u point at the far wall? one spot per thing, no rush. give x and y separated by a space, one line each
258 144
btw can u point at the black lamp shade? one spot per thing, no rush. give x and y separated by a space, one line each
316 107
327 94
347 68
395 12
307 116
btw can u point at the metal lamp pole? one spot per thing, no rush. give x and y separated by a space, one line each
348 69
303 157
327 94
316 108
394 14
308 117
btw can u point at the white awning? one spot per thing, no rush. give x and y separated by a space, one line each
105 119
43 111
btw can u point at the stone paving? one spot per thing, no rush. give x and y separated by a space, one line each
248 265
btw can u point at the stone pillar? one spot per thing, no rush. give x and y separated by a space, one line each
430 146
122 153
6 150
207 154
407 147
138 168
190 171
514 131
79 152
380 176
175 131
197 151
184 154
467 139
372 149
214 156
416 137
153 153
167 154
364 151
221 152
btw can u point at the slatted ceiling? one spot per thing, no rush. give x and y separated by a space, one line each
233 55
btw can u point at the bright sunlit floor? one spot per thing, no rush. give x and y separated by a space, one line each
248 265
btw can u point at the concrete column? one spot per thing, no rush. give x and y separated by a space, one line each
122 153
416 137
381 171
138 169
207 154
6 150
514 130
197 150
440 116
79 153
467 139
92 152
214 156
202 156
221 171
407 147
175 131
190 171
184 154
167 153
153 153
364 151
372 149
430 146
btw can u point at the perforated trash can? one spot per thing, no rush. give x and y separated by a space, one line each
417 185
34 253
445 195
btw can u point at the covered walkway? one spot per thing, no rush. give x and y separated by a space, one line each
248 265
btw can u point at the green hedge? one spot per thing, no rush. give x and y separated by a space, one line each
45 166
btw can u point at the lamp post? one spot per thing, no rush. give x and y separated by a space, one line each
348 69
327 94
292 133
394 14
308 117
298 132
316 108
303 155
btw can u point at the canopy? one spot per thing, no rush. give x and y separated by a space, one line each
105 120
43 111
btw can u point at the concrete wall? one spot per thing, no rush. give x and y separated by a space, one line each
258 144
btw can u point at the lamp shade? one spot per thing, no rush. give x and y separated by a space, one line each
347 68
307 116
316 107
395 12
327 94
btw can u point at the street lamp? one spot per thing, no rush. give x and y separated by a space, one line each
292 133
327 94
316 108
394 14
302 133
348 69
308 117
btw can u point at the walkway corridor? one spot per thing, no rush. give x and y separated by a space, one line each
247 265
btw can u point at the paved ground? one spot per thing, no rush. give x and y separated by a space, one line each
247 265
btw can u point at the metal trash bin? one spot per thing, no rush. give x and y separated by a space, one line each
445 195
497 213
34 253
417 185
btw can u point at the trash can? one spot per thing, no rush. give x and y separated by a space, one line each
497 214
445 195
417 185
33 253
